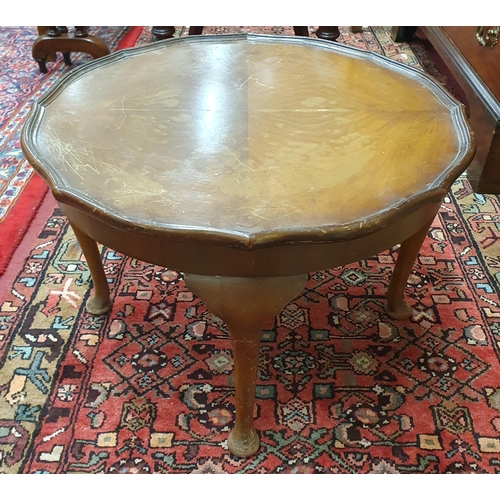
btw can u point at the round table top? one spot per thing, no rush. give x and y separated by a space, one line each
248 138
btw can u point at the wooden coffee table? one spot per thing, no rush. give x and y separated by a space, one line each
247 161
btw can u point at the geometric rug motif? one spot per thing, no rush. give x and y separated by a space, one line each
341 388
20 84
156 395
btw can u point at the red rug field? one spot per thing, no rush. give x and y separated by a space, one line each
341 388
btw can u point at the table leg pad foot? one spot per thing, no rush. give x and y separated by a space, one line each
403 311
97 307
243 446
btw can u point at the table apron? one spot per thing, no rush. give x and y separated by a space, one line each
284 259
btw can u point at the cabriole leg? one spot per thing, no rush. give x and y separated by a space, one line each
100 302
245 304
396 306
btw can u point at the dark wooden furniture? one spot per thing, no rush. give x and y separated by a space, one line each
324 32
473 60
298 30
162 33
53 39
215 156
328 32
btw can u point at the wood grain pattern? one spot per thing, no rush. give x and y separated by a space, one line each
247 138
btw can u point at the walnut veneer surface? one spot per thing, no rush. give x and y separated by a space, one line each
236 136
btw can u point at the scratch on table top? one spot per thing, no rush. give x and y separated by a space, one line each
122 108
65 154
238 160
262 84
79 160
251 77
232 153
274 209
246 81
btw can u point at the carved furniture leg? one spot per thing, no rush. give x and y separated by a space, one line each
58 39
396 306
100 302
42 58
298 30
301 30
328 32
195 30
67 58
162 32
42 30
66 55
245 304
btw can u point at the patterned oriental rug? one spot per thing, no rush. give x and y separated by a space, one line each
341 388
21 190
